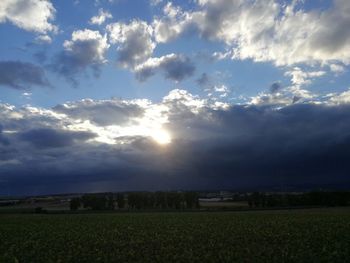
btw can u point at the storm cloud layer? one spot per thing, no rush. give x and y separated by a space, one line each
213 146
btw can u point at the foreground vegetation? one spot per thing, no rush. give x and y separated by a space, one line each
279 236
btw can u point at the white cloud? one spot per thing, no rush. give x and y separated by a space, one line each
101 17
155 2
300 77
44 39
339 98
336 68
30 15
283 96
172 24
265 30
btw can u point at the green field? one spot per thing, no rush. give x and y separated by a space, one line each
271 236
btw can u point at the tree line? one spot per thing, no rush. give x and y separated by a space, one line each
136 201
303 199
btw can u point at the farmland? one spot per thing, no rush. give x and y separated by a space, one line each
319 235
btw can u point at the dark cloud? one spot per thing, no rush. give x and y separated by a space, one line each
203 80
86 50
21 75
178 69
134 40
70 65
40 56
275 87
50 138
251 147
3 139
174 67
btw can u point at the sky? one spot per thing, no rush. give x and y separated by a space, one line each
117 95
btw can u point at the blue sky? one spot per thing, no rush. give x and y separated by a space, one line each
123 88
243 77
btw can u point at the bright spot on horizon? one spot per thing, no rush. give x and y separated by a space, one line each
161 136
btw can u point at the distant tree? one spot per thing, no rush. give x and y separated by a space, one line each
110 201
95 201
250 202
74 203
40 210
191 199
134 200
120 201
161 200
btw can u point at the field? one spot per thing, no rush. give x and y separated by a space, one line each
321 235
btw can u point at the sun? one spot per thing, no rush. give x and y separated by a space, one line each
161 136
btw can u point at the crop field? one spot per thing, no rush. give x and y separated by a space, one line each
268 236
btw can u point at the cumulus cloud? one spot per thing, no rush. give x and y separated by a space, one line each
284 34
173 66
21 75
279 95
172 24
134 40
300 77
101 17
339 98
30 15
212 145
86 50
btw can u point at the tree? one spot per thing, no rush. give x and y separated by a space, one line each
191 199
74 203
95 201
120 201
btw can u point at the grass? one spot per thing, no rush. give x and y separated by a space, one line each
278 236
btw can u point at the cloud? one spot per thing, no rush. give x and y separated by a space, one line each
300 77
213 145
135 45
340 98
278 95
174 23
155 2
86 50
30 15
173 66
50 138
275 87
336 68
265 31
134 40
3 139
102 113
203 80
213 86
21 75
101 17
